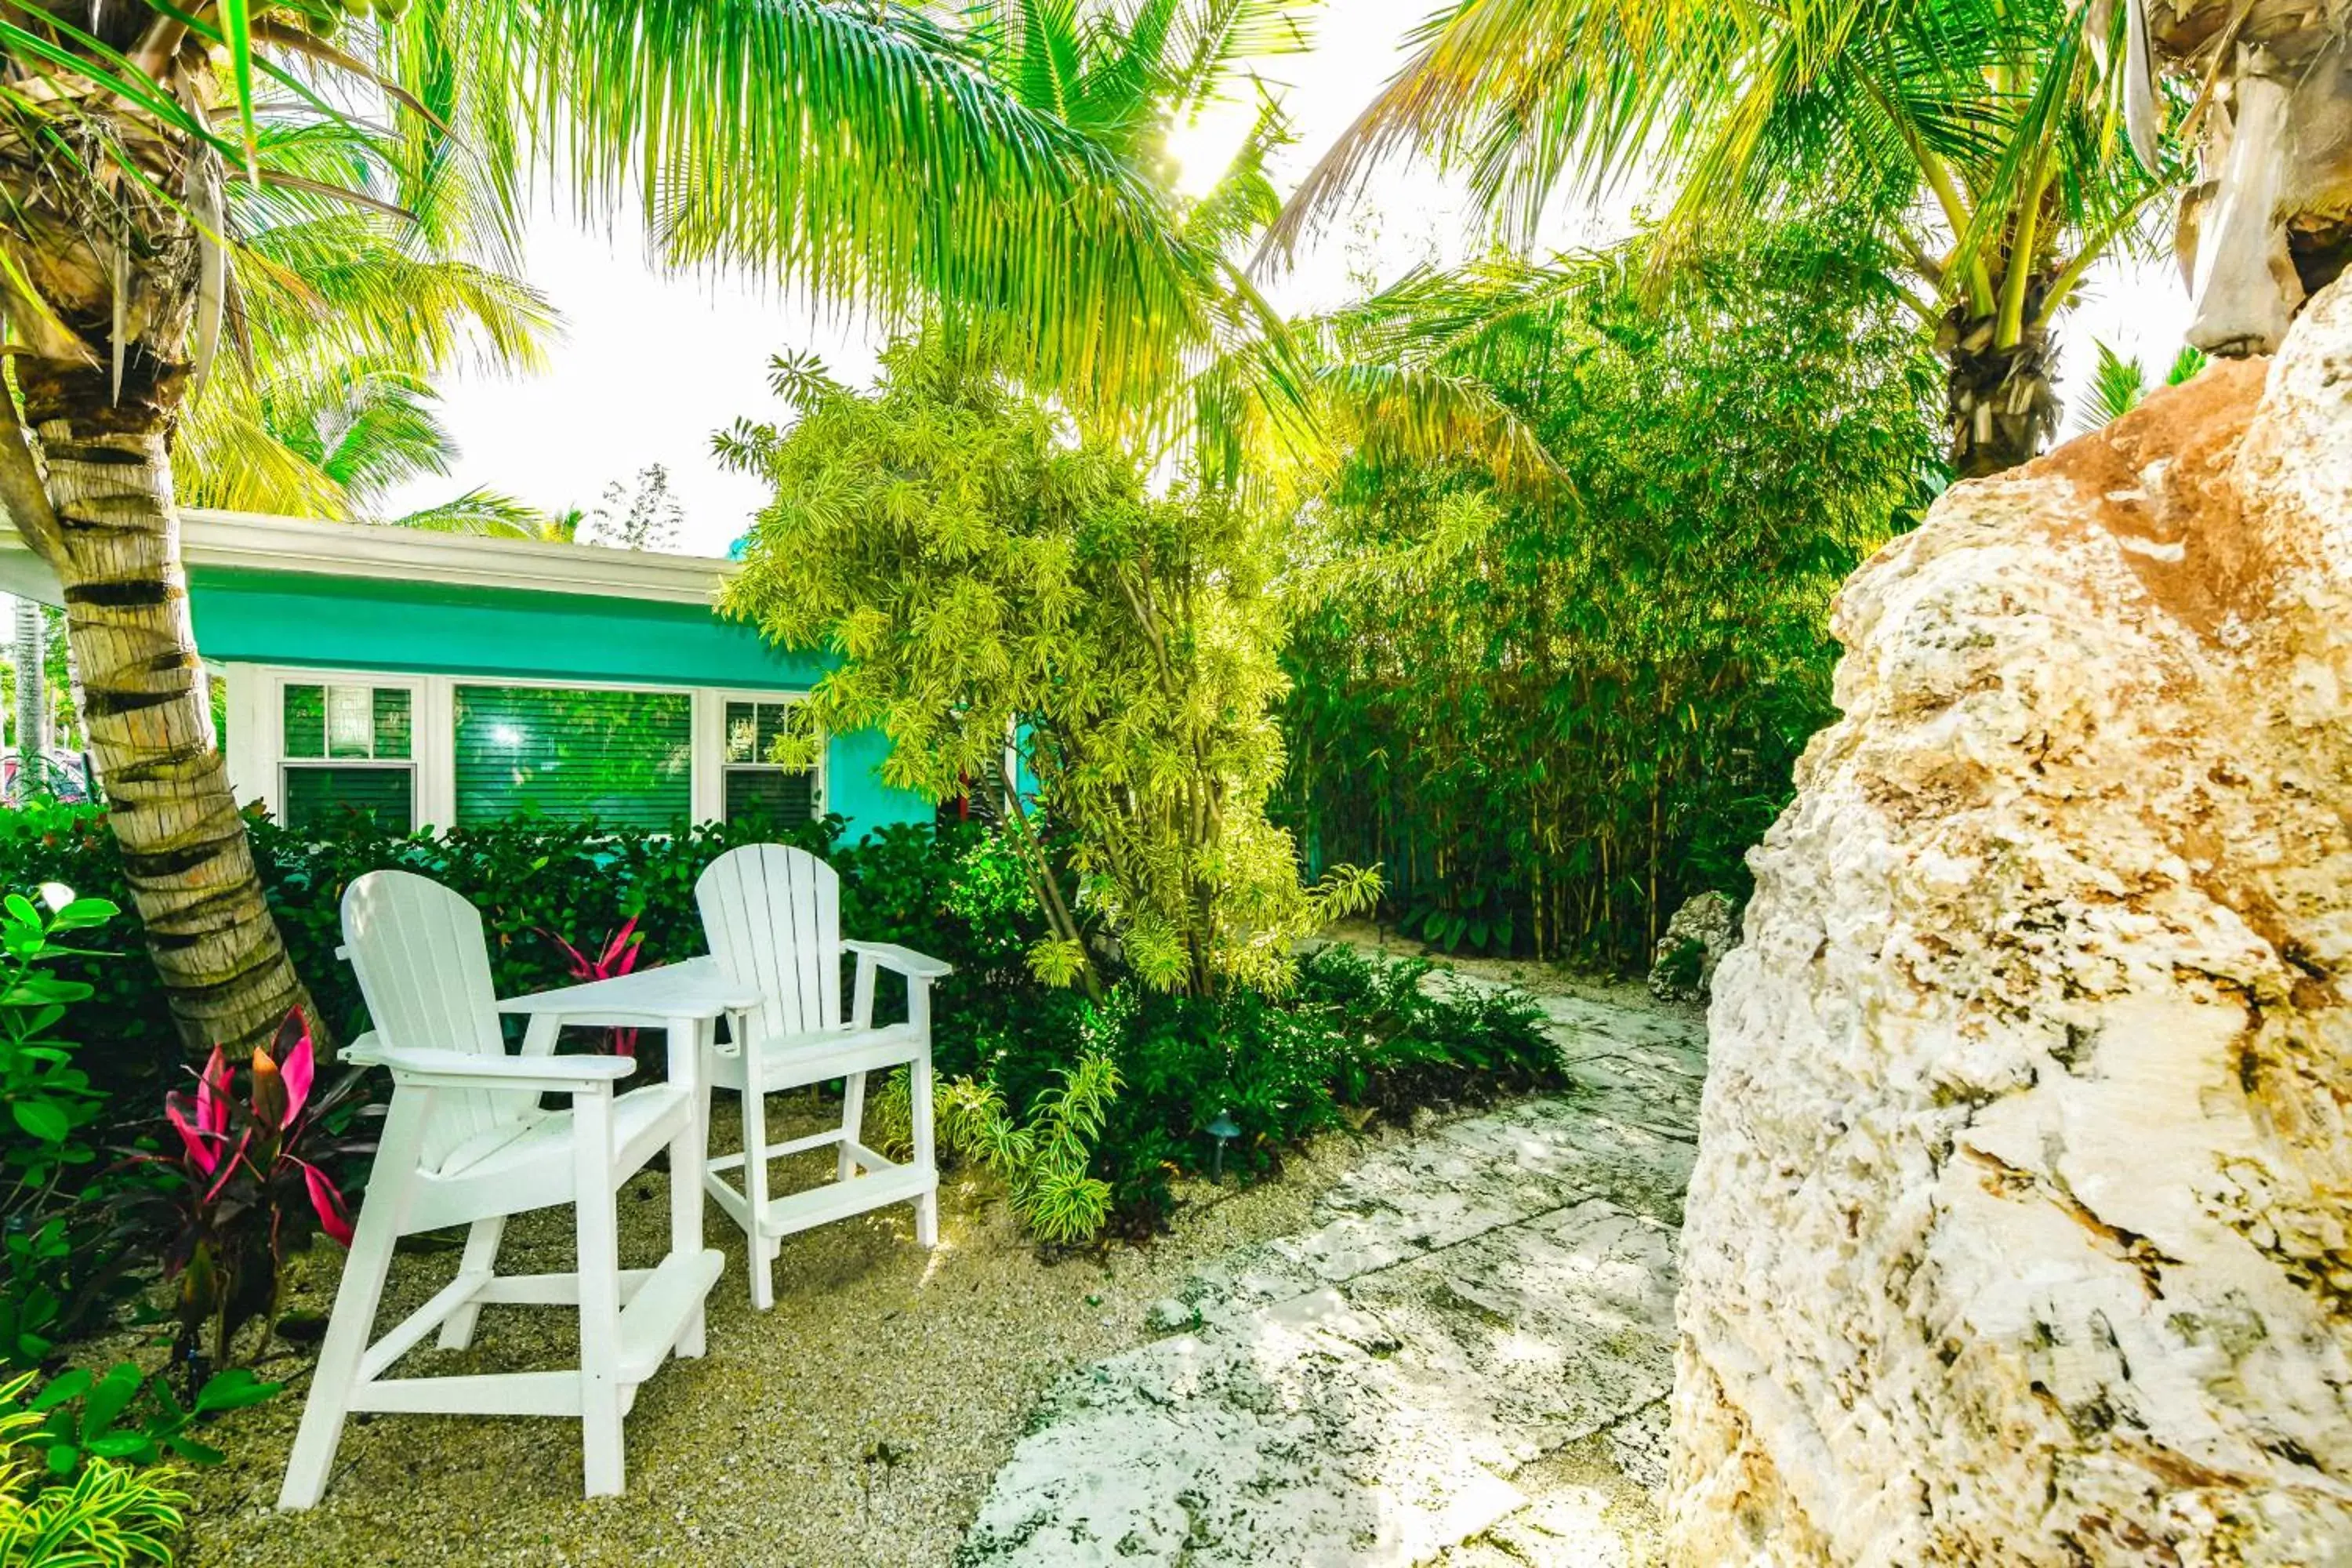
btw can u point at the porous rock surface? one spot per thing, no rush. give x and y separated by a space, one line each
1464 1361
2019 1230
1700 929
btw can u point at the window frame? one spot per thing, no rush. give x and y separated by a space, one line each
281 762
719 697
257 739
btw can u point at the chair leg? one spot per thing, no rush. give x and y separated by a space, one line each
686 1153
759 1260
356 1300
481 1257
852 1123
918 1098
601 1394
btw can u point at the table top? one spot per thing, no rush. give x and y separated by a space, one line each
693 988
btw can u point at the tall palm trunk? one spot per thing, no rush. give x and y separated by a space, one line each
101 515
2000 404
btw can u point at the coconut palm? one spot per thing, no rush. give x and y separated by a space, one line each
1992 134
344 317
2271 222
848 149
1272 405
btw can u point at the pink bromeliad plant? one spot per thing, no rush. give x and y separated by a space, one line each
616 957
250 1185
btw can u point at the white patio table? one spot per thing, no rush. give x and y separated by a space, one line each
685 999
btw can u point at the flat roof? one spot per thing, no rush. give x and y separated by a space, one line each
257 542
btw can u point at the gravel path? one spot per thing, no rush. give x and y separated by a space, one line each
856 1426
1464 1361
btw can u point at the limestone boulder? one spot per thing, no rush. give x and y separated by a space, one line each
1681 968
2021 1226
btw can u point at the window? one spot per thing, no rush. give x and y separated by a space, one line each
758 789
622 757
347 748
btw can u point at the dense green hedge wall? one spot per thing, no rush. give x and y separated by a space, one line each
529 879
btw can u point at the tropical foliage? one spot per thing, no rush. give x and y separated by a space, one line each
109 1515
2119 384
851 150
992 577
1549 718
2001 144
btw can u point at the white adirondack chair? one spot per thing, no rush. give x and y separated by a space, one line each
467 1143
772 915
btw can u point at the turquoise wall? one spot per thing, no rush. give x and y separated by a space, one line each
367 622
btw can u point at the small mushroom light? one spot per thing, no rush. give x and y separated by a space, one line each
1225 1129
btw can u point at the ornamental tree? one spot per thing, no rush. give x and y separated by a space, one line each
992 576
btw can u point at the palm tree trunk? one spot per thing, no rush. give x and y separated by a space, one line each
115 545
2002 407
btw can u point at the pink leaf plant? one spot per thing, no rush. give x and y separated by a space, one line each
251 1181
618 957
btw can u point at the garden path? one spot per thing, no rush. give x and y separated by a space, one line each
1464 1361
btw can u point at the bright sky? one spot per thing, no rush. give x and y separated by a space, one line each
650 365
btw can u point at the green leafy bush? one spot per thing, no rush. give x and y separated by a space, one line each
1081 1145
989 569
62 1255
128 1415
1100 1141
106 1517
50 1099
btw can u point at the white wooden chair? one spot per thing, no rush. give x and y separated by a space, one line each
467 1143
772 915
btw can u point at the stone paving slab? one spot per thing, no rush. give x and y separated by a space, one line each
1393 1387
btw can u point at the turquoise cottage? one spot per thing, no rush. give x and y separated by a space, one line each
441 679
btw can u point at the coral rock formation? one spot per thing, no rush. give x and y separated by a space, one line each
2021 1229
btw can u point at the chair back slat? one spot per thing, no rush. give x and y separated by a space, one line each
424 970
772 915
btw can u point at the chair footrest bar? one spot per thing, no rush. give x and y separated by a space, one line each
550 1290
491 1394
657 1314
838 1200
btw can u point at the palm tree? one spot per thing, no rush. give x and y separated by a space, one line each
1991 133
848 149
2118 385
1272 405
2269 225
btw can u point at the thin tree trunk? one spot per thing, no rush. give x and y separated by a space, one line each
147 717
2002 407
32 696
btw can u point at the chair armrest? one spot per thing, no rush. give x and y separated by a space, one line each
905 959
466 1070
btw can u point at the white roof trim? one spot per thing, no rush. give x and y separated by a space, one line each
259 542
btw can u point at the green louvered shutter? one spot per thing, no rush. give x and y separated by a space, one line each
622 757
346 748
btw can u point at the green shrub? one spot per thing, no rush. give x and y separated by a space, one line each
534 881
128 1415
1081 1145
62 1254
1100 1142
106 1517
